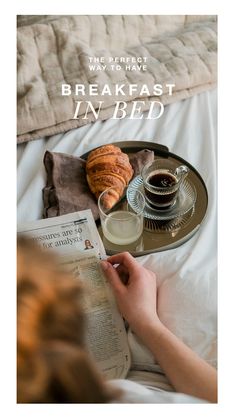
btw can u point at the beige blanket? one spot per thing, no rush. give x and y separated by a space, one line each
53 51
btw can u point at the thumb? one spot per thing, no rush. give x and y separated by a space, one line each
112 276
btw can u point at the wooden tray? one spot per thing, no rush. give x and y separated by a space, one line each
159 236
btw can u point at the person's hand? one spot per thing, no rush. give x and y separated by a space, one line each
135 289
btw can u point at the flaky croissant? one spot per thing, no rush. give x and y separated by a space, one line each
106 167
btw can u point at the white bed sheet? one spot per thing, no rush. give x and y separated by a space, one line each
187 298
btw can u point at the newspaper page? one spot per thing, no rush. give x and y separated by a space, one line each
76 239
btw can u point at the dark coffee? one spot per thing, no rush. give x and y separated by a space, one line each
161 198
162 180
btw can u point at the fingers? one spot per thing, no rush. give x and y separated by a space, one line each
112 277
125 259
123 273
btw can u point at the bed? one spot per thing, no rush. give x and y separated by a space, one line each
187 277
180 48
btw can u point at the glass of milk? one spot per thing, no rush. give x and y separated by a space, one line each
120 223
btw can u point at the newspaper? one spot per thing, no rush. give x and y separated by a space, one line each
75 237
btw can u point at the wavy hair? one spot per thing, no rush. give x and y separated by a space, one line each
53 365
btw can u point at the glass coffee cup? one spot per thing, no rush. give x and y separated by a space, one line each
162 181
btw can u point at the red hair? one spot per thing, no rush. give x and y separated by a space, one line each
53 365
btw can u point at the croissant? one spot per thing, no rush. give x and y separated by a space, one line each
106 167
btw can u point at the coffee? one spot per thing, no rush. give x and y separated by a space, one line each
162 180
160 189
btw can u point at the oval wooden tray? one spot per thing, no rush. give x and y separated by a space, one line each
159 236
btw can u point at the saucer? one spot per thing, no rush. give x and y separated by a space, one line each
185 201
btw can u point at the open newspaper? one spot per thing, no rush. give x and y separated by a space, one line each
75 237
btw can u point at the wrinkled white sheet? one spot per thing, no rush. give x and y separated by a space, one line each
187 298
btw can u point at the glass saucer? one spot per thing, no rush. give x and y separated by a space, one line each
185 201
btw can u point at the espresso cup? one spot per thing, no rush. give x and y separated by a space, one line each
162 180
